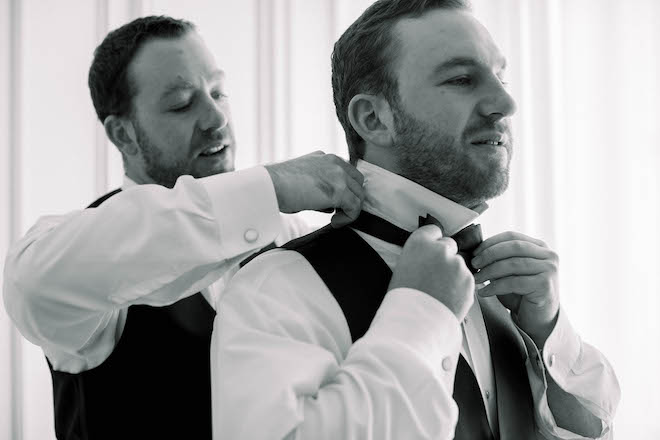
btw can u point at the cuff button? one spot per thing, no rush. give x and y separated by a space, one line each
251 235
446 364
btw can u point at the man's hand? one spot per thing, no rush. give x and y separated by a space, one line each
319 182
430 263
523 273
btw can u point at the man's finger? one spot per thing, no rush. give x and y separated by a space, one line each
512 267
511 249
519 285
348 210
356 188
506 236
352 171
340 219
432 232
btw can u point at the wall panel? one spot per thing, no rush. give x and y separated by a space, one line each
9 340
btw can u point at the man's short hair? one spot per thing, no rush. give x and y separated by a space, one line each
362 57
111 87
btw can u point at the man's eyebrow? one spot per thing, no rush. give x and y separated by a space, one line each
176 86
218 74
463 62
183 85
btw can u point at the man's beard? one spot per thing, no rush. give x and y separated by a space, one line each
435 160
155 166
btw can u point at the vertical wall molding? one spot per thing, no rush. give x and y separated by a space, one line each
15 202
333 35
286 73
265 80
100 140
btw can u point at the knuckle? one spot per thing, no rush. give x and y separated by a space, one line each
517 246
518 264
544 282
327 189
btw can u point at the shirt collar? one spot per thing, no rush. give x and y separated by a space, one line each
401 201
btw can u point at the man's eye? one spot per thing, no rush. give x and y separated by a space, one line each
183 108
460 81
218 95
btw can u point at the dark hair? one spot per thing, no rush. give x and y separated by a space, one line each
109 84
362 57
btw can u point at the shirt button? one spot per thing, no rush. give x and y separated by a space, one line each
446 363
539 362
251 235
487 394
551 360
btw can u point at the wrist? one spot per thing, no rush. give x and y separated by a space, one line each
538 330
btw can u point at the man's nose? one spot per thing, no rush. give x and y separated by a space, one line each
498 102
215 115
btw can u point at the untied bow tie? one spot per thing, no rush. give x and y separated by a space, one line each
467 238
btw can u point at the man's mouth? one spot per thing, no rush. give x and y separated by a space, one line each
490 139
486 142
214 150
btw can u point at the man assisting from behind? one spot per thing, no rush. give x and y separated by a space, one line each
118 295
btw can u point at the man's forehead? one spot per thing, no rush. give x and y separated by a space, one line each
165 64
446 38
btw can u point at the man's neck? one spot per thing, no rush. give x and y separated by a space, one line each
402 201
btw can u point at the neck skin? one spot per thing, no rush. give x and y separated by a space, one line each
382 158
402 202
136 174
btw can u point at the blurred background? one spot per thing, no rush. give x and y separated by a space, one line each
585 170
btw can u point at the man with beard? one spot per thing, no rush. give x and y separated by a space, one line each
372 331
118 295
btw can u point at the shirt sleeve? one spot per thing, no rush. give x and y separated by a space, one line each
281 353
580 370
69 280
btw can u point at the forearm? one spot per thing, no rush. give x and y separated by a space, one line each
146 245
282 352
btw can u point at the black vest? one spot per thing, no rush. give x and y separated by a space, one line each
358 279
155 384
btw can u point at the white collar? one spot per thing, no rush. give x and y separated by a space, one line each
401 201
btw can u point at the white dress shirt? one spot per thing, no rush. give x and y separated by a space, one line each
69 281
284 366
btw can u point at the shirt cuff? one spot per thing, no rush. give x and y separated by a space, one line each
560 352
424 325
559 355
245 207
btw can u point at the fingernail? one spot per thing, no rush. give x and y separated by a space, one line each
476 262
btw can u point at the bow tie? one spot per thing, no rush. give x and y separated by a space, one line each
467 238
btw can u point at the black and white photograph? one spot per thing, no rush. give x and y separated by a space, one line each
330 219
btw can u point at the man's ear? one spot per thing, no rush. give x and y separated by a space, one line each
121 132
371 116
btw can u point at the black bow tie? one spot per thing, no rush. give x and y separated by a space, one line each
467 238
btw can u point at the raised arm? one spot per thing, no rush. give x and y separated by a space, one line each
283 365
